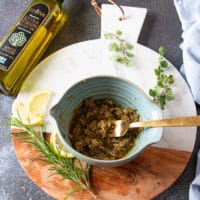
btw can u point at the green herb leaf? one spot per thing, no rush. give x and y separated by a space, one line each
129 54
119 59
152 93
118 32
169 94
128 63
114 47
162 102
163 64
121 48
157 72
162 92
129 46
108 36
161 51
171 79
160 84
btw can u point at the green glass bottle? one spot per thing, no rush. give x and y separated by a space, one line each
28 38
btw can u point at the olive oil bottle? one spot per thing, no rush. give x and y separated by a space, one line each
28 38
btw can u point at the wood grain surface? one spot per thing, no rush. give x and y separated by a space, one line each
152 172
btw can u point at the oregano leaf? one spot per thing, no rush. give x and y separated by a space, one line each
161 50
162 92
152 93
121 48
114 47
118 32
129 54
163 64
129 46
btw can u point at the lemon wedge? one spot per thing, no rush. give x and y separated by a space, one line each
57 146
32 112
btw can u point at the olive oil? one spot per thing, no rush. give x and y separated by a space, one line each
28 38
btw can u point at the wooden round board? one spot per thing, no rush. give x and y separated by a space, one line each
142 179
155 169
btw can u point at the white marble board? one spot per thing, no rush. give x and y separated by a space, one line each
62 69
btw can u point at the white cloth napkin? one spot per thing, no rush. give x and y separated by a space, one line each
194 192
189 15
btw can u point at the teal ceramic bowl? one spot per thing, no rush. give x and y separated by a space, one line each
122 92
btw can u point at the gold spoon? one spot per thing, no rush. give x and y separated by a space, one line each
120 127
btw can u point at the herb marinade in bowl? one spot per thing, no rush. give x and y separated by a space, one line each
124 94
91 126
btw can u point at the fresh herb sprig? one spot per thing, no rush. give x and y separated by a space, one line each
71 169
162 92
120 47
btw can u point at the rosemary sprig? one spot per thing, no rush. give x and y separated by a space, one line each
162 92
71 169
120 47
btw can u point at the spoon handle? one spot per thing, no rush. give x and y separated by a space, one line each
179 121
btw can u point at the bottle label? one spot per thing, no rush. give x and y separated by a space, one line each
22 33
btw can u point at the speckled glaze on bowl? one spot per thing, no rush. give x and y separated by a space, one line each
123 93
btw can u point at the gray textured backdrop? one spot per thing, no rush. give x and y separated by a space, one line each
161 27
